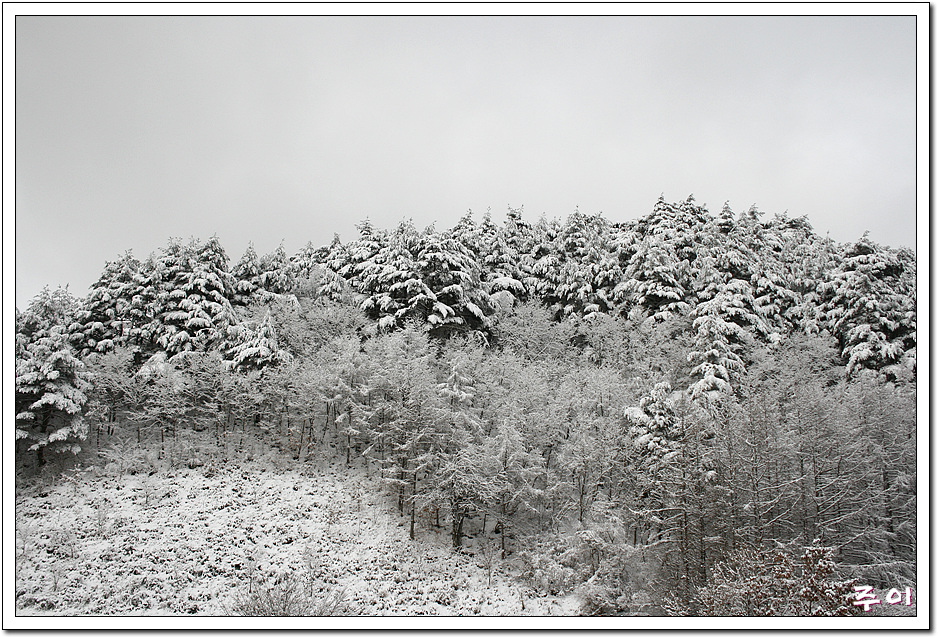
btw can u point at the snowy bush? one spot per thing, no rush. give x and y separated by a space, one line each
288 595
762 582
597 563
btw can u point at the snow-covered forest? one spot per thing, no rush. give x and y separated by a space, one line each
688 413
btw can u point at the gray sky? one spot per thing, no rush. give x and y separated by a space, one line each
133 130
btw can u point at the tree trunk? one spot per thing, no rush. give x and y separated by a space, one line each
400 493
458 518
299 449
413 504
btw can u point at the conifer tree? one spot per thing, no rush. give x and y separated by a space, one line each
725 326
195 310
392 283
246 274
51 382
362 259
870 308
276 276
254 348
455 299
103 321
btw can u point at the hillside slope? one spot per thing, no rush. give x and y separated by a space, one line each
199 540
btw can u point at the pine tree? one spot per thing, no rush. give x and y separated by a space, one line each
246 274
870 308
658 277
146 305
362 260
724 327
470 235
655 440
160 286
103 321
254 348
332 285
542 266
392 283
498 257
51 382
583 280
310 257
677 471
194 310
276 276
456 299
46 310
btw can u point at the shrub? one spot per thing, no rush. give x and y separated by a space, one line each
608 573
289 596
762 582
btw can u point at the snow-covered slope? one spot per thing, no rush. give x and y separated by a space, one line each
201 540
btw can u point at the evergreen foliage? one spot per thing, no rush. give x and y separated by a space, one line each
51 382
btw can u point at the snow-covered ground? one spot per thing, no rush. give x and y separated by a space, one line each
141 538
181 541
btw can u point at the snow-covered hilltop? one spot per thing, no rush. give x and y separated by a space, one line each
691 408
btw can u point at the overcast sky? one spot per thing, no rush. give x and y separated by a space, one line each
133 130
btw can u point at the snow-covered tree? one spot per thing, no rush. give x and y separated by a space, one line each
47 309
112 393
332 285
145 304
456 299
724 325
276 276
194 310
529 331
103 321
254 348
580 278
246 274
870 308
459 394
514 493
470 235
499 260
658 279
361 261
345 386
405 428
656 441
51 382
392 281
463 483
